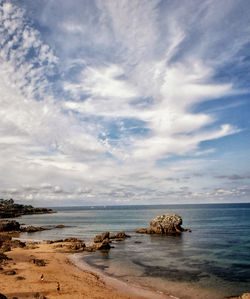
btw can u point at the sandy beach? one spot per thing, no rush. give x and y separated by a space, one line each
74 282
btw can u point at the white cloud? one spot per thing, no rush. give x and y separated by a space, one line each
93 120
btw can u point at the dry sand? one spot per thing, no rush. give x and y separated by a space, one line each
74 282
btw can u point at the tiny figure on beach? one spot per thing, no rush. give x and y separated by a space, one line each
58 286
42 277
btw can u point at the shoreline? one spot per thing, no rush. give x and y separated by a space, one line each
119 284
74 283
175 290
78 279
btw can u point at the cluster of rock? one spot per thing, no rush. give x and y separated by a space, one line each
103 241
6 244
9 209
100 242
9 225
32 229
70 244
14 226
164 224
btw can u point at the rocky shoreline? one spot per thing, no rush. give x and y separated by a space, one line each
10 209
165 225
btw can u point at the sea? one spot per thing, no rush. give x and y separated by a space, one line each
214 256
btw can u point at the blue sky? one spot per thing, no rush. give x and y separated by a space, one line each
124 102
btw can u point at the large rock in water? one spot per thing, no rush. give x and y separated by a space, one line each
166 224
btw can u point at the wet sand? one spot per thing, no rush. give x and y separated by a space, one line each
74 282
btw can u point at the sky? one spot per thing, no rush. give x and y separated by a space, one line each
106 102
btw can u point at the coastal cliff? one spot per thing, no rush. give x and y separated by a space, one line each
10 209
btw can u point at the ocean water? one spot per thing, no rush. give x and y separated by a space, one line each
215 255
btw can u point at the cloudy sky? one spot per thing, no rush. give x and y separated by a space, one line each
124 102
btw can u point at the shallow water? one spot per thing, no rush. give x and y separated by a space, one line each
215 255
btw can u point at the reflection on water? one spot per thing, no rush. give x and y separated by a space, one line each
215 254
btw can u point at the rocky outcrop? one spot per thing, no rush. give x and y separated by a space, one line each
60 226
3 257
69 244
167 224
102 242
75 244
121 235
144 231
104 245
9 272
4 238
164 224
9 209
32 229
6 243
9 225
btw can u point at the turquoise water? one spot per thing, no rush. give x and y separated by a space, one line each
215 255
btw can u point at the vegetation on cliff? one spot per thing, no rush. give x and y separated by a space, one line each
10 209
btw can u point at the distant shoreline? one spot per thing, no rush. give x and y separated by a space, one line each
10 209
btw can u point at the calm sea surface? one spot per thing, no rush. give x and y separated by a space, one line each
215 255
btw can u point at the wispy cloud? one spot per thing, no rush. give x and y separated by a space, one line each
94 96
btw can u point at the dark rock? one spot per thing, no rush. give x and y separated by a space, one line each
60 226
141 230
105 236
58 246
3 257
9 272
17 244
4 238
77 246
121 235
8 244
71 240
90 248
9 225
111 236
33 229
98 239
38 262
20 278
119 239
2 296
137 242
31 246
103 245
5 247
